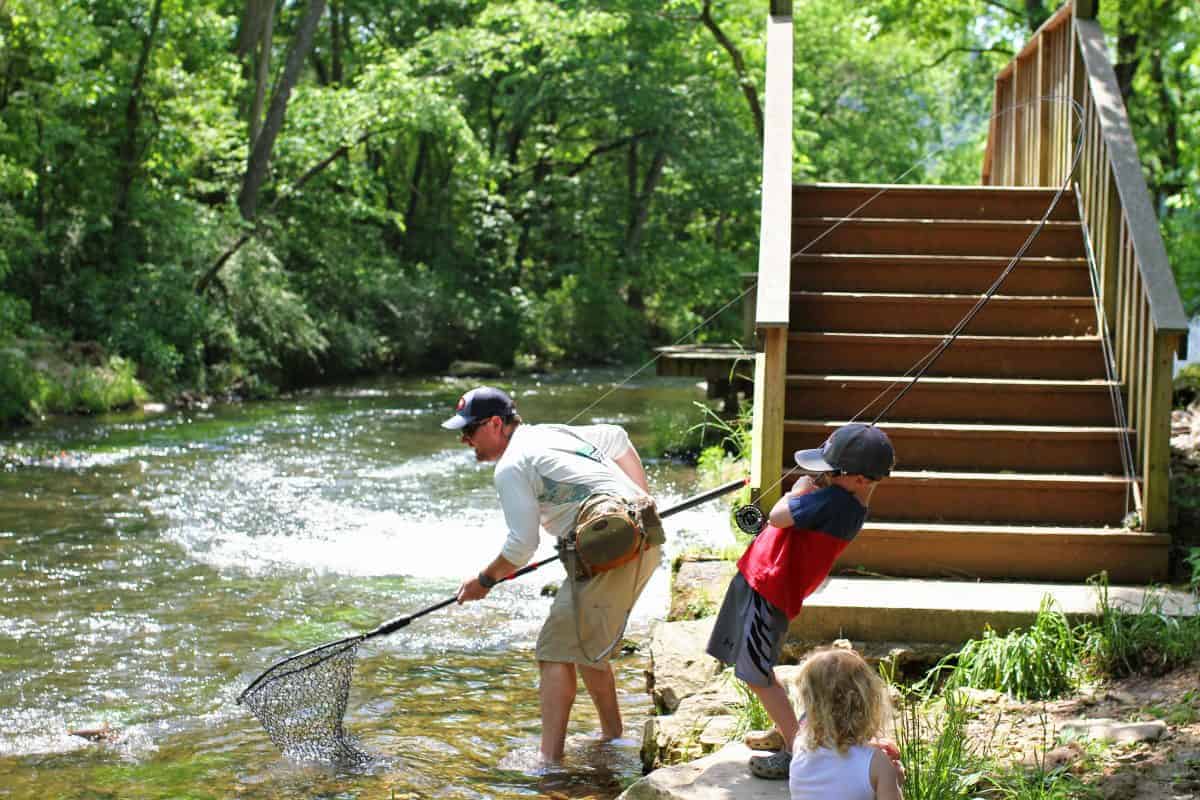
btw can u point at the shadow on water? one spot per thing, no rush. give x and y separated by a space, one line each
151 566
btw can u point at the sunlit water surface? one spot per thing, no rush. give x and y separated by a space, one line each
151 566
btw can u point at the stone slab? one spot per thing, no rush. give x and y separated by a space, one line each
928 610
723 775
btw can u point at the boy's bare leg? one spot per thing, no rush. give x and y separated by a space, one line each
602 686
779 708
557 694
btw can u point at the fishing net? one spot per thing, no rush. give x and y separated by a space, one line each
301 702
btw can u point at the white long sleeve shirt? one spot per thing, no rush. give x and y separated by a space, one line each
545 473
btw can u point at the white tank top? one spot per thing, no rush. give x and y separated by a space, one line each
824 774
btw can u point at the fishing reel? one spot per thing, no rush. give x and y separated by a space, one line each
750 519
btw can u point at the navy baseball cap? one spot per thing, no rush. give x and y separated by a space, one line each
853 449
479 404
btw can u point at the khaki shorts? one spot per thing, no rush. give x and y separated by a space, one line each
605 600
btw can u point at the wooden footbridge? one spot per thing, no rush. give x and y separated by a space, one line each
1010 449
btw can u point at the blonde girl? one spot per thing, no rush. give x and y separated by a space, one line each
846 707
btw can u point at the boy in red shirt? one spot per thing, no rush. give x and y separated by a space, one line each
810 527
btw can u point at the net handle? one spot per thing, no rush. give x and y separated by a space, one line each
393 625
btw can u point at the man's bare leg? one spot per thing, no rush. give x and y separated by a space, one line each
557 694
602 686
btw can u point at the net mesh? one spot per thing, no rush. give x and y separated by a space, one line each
301 702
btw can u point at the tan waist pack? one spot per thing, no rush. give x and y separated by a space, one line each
610 531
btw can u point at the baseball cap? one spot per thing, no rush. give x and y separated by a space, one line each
479 404
855 449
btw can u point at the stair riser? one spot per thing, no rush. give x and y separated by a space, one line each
999 317
982 452
832 400
845 356
907 203
1033 556
904 499
1029 278
934 239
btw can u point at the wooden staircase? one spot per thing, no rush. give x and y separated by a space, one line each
1008 459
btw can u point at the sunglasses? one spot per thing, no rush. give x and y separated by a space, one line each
468 431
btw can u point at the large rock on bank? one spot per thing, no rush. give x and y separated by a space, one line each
723 775
679 667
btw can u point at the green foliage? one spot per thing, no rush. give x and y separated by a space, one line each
1192 559
1039 663
513 180
1186 386
940 760
1146 639
749 712
24 391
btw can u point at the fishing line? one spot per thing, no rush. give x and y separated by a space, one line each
1109 358
750 517
923 364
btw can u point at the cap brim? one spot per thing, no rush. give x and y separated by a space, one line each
813 461
456 423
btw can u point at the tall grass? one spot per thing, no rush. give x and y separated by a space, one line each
1035 664
940 760
1147 639
750 714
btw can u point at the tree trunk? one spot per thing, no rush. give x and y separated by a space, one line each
640 205
335 43
127 154
264 143
262 70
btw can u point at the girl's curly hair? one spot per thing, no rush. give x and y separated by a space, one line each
845 701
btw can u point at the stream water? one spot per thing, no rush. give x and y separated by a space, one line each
152 565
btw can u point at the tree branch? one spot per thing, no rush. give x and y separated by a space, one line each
739 66
946 54
601 149
203 282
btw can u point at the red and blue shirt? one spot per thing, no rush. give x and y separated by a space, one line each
786 565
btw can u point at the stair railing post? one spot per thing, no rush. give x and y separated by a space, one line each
773 298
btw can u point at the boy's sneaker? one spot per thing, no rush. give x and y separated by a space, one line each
773 767
770 739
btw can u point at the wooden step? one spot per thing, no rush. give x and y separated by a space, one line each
988 448
895 609
1043 402
841 272
1051 553
999 498
934 237
1002 315
929 202
1070 358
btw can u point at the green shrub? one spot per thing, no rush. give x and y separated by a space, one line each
1040 663
24 391
1147 639
1186 386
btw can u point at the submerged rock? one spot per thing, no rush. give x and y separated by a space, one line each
474 369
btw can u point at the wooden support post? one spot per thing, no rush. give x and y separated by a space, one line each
1156 475
770 393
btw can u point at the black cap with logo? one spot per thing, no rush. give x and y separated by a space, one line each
479 404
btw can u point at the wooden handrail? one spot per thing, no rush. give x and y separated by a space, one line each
1059 91
775 227
773 297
